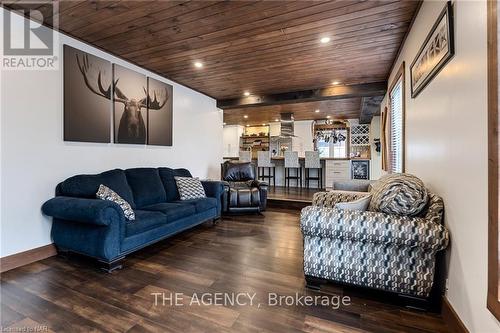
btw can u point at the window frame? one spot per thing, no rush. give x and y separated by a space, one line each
493 302
400 75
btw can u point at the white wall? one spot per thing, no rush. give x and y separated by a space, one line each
446 146
34 157
231 140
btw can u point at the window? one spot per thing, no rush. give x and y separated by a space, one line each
396 123
332 143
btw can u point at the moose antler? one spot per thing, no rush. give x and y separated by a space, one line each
155 104
84 67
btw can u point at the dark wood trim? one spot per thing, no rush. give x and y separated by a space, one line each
399 74
493 303
451 318
311 95
420 2
109 52
27 257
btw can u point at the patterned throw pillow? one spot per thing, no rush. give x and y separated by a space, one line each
399 194
189 188
105 193
360 205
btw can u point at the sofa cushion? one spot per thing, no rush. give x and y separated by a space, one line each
144 221
399 194
167 177
86 186
173 211
146 186
105 193
202 204
234 172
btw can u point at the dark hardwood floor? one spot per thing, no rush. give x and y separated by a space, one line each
292 193
259 254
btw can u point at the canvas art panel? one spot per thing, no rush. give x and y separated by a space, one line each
437 49
160 113
87 93
130 106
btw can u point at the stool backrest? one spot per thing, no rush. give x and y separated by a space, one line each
312 159
245 156
292 159
264 159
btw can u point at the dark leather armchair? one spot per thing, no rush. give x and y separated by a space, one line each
243 193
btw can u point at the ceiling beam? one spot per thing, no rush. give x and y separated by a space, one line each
370 106
311 95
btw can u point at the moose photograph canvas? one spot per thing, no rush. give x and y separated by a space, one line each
87 97
159 113
130 105
97 92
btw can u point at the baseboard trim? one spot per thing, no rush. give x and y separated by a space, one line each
451 318
27 257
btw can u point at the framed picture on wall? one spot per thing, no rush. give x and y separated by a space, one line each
159 113
87 97
130 105
437 49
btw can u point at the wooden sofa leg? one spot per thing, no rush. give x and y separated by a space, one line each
313 283
111 266
216 221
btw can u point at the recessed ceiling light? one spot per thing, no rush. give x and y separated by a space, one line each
263 124
224 124
328 116
317 110
198 64
246 93
245 116
276 119
324 40
248 125
335 82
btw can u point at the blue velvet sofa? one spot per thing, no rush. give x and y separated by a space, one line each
98 228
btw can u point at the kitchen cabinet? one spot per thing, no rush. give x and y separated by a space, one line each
337 170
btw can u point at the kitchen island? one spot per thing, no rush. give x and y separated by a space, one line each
334 169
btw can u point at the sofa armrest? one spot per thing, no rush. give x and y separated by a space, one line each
330 198
213 188
90 211
373 227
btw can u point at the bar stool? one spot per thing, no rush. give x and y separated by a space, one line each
313 162
263 163
245 156
292 162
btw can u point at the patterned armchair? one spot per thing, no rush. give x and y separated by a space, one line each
372 249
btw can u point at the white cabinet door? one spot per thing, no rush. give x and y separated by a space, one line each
337 170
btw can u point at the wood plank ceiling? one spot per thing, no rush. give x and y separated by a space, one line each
257 46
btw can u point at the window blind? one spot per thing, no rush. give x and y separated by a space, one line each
396 128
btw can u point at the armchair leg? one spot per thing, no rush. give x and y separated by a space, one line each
111 266
216 221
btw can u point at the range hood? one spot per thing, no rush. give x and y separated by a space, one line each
286 125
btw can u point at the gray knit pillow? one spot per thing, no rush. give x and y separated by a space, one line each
399 194
105 193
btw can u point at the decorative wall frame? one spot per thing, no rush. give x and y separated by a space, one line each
87 94
437 49
93 87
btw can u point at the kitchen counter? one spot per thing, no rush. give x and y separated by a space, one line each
281 158
333 169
